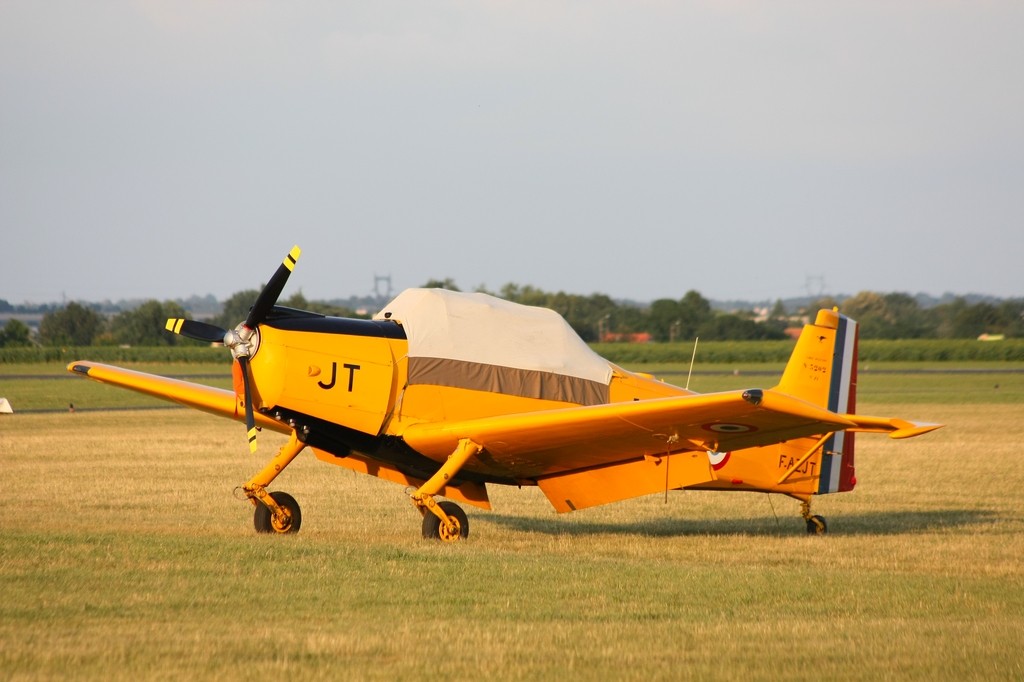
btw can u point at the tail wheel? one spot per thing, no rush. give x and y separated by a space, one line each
816 525
433 529
265 521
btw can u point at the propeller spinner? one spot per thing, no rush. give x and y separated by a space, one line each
240 339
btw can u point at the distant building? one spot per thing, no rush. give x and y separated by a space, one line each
629 337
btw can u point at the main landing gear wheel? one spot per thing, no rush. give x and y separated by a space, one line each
433 529
265 521
816 525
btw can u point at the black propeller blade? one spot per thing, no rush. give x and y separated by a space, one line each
240 340
200 331
264 302
250 419
268 297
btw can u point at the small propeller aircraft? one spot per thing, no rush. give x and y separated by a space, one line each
447 393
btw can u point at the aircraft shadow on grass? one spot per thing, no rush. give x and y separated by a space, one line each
871 523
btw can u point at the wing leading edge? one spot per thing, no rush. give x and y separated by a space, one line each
218 401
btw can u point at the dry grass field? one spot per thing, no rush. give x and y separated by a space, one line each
125 555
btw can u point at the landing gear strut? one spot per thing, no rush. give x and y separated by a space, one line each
444 521
815 524
275 512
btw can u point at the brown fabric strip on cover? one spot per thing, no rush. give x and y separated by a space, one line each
519 382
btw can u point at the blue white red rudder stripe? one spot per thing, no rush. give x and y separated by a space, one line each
837 465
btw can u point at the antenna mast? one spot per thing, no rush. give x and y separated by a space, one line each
692 359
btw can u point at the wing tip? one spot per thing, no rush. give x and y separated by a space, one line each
79 367
905 429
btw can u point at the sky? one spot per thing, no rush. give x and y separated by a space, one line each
643 149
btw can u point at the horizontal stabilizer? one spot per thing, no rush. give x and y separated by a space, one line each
896 428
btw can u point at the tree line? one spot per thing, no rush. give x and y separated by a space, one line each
596 317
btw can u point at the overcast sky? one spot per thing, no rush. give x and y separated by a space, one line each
748 150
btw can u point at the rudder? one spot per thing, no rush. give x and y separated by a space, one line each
823 370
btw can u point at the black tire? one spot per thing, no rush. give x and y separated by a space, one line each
264 522
816 525
432 526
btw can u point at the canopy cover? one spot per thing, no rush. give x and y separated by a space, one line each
480 342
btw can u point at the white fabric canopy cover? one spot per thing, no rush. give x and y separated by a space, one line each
481 342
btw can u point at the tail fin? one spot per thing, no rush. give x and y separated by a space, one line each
823 371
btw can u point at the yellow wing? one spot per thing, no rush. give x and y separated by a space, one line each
581 457
537 444
218 401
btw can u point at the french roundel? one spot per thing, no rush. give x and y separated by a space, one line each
717 459
729 428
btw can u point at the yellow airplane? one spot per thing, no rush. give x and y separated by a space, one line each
447 392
